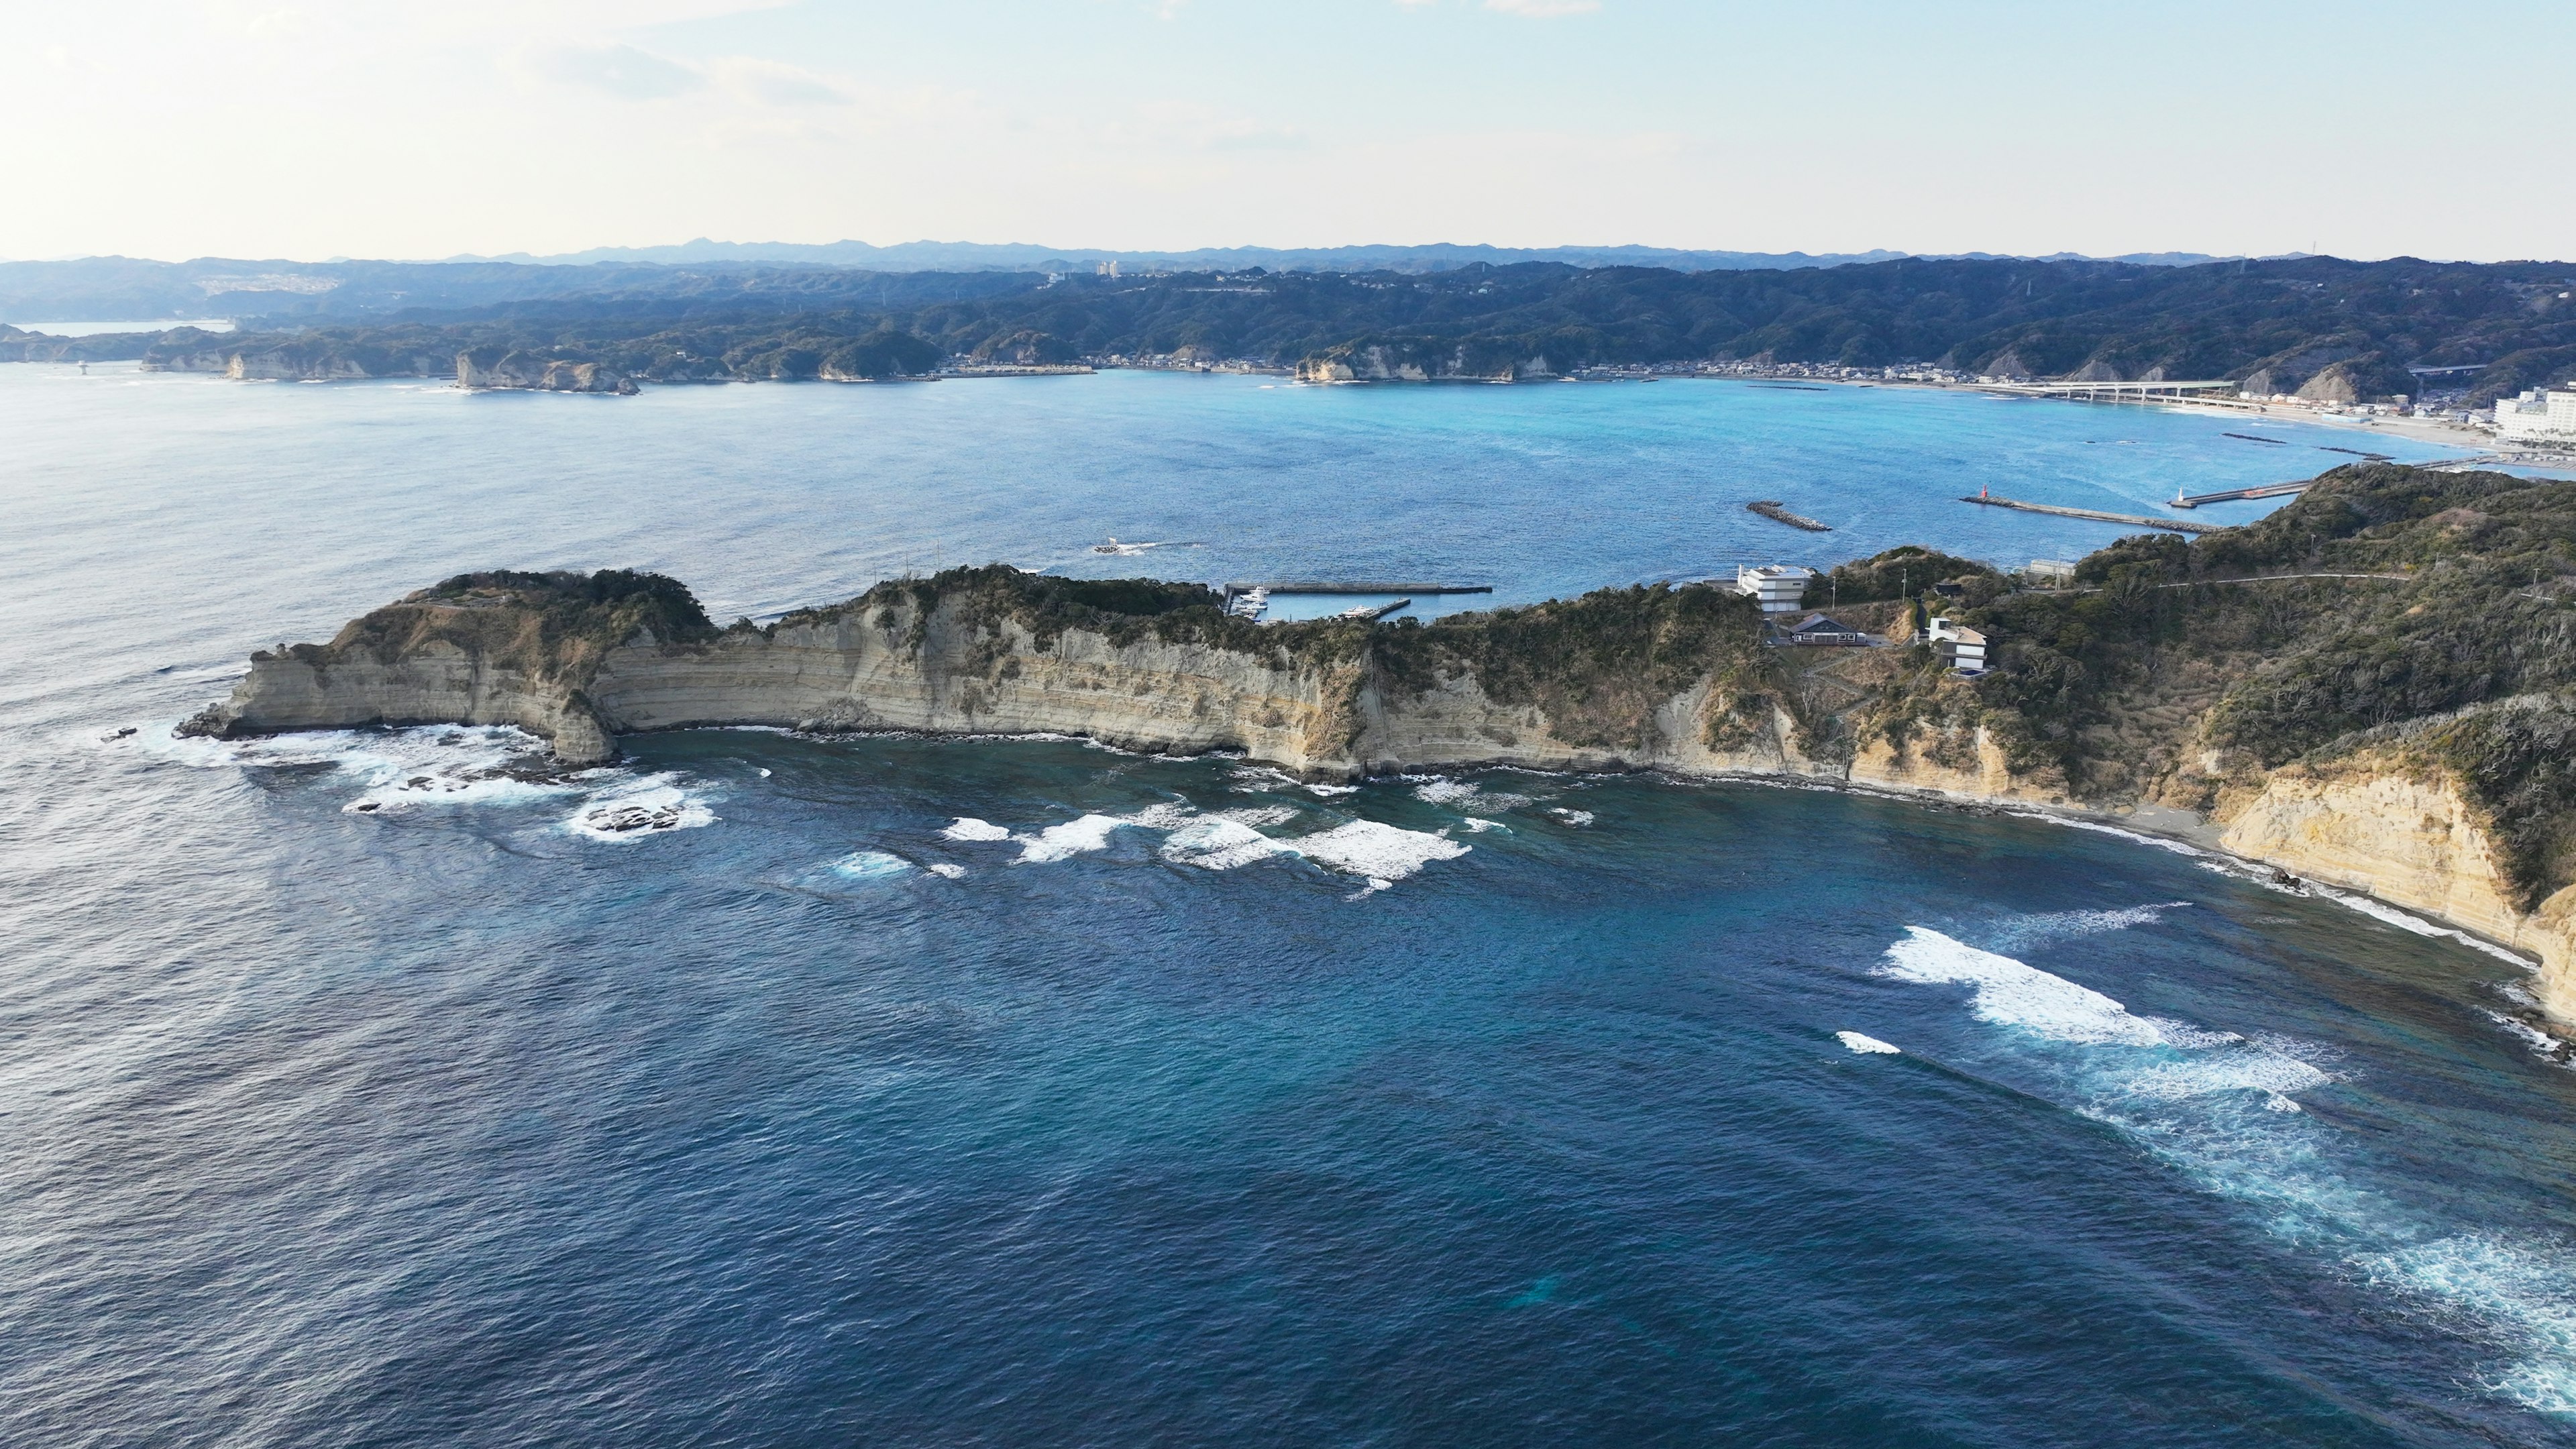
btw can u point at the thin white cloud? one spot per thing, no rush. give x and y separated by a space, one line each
1543 9
771 83
618 70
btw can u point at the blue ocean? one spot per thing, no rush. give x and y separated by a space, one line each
360 1091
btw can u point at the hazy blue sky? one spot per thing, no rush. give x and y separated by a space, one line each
176 128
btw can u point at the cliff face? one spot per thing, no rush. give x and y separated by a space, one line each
496 367
990 651
2375 687
1422 360
290 361
2383 824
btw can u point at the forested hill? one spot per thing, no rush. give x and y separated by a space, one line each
2278 326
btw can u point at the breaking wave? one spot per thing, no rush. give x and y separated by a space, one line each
1383 853
654 805
2223 1109
869 865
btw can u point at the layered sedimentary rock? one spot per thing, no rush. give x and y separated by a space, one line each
496 367
2391 827
1423 360
579 660
2390 708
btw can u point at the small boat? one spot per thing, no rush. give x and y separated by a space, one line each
1249 604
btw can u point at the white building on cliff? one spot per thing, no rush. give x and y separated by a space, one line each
1962 648
2538 417
1778 588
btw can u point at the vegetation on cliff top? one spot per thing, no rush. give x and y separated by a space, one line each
2186 668
1903 572
1598 666
554 626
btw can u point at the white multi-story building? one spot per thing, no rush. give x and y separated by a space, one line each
2538 417
1963 647
1778 588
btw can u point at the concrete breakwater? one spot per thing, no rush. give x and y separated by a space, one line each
2139 519
1771 509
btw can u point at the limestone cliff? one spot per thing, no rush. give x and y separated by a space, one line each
1643 675
500 367
290 360
2410 834
1408 359
2374 687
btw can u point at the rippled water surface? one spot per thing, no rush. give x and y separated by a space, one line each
365 1089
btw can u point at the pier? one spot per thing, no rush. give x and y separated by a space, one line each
2118 391
2174 524
1362 586
2268 490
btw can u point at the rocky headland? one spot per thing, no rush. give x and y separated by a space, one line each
2373 688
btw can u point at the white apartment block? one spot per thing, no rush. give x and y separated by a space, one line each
1779 588
2538 417
1963 647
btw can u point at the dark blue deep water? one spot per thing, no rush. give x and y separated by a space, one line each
982 1092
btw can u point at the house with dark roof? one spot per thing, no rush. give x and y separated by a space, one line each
1822 629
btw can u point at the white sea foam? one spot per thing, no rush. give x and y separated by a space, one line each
1217 843
1464 794
2012 994
394 769
2072 822
2542 1045
1257 815
2219 1107
2526 1298
1383 853
1577 818
1865 1045
1478 826
1169 815
946 870
2048 926
870 865
967 827
1328 791
654 805
2270 1073
1074 837
2408 921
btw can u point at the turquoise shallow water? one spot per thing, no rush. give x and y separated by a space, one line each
922 1092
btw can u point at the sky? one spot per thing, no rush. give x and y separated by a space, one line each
278 128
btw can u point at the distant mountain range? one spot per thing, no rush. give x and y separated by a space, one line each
769 277
933 256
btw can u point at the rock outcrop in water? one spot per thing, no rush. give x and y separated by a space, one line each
2374 687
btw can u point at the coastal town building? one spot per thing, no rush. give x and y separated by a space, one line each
2056 573
1825 630
1962 648
2538 417
1778 588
